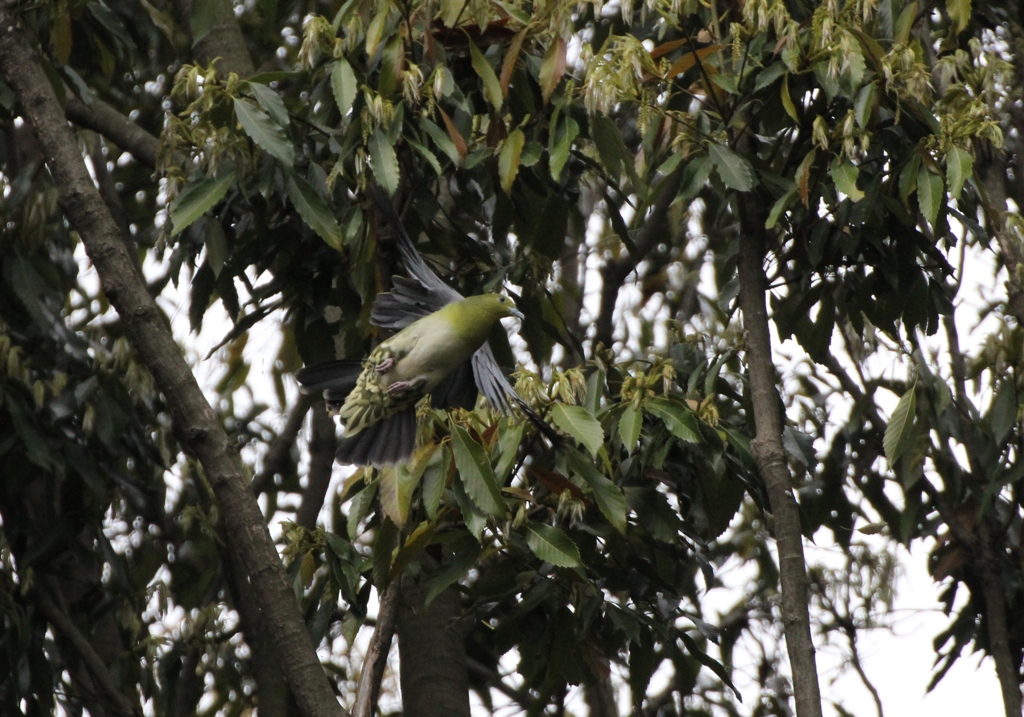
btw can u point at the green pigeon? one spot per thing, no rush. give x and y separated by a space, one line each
440 350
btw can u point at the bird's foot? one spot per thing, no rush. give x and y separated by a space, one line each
398 388
384 366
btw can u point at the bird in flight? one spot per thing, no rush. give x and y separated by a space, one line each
440 349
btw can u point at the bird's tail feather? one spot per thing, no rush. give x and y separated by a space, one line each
335 378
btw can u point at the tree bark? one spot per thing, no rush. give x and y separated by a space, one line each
321 466
105 120
996 622
433 654
224 42
770 456
195 420
377 654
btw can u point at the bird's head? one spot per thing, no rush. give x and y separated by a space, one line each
502 305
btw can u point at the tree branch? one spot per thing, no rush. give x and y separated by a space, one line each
147 329
321 466
770 455
105 120
377 654
280 452
615 272
113 699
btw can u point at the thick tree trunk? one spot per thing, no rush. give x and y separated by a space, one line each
432 650
146 327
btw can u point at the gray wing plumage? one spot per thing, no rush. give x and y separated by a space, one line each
389 441
407 301
458 390
414 264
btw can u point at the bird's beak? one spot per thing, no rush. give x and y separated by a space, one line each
518 314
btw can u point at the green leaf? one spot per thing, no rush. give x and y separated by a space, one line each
384 544
787 100
769 74
959 14
359 508
398 482
959 166
1002 414
508 449
384 162
344 84
734 170
375 30
929 193
904 24
476 473
844 174
578 423
630 423
442 140
197 200
508 159
202 18
271 102
434 479
908 178
552 545
898 430
475 520
864 107
216 246
608 140
610 499
314 211
561 144
781 205
451 10
454 571
492 88
677 417
265 132
695 176
426 154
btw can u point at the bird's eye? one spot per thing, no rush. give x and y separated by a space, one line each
501 299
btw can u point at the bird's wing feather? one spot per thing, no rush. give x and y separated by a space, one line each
414 263
458 390
498 391
407 301
389 441
491 381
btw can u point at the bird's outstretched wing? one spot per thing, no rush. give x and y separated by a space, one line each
439 293
407 301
